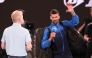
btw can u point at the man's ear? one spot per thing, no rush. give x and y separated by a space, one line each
19 19
50 17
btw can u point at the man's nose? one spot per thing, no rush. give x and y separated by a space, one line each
54 19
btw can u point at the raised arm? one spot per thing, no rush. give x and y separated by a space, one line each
71 23
75 18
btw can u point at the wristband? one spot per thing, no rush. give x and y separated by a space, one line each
73 12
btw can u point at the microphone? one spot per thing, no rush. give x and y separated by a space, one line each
54 29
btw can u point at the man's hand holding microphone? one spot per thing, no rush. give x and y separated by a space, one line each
52 34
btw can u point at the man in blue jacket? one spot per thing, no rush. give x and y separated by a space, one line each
57 39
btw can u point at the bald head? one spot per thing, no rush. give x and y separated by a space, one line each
17 16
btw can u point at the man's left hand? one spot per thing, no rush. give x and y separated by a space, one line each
70 7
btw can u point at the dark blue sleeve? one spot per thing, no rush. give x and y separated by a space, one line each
45 43
71 23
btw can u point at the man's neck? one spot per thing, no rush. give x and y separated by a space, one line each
56 23
17 22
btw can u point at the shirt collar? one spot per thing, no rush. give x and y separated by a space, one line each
55 24
16 24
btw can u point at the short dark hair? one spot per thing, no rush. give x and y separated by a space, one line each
54 11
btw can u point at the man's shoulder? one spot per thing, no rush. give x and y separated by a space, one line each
24 29
47 29
7 28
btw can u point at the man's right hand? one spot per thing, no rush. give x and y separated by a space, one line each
86 38
52 36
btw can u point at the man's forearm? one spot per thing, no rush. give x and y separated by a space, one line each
46 44
81 27
28 49
29 46
3 46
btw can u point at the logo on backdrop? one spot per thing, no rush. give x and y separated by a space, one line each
1 1
89 4
78 2
74 2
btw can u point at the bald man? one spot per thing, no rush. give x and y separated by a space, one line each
16 40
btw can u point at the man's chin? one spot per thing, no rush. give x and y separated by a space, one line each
55 22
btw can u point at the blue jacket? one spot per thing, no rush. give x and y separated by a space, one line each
60 46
